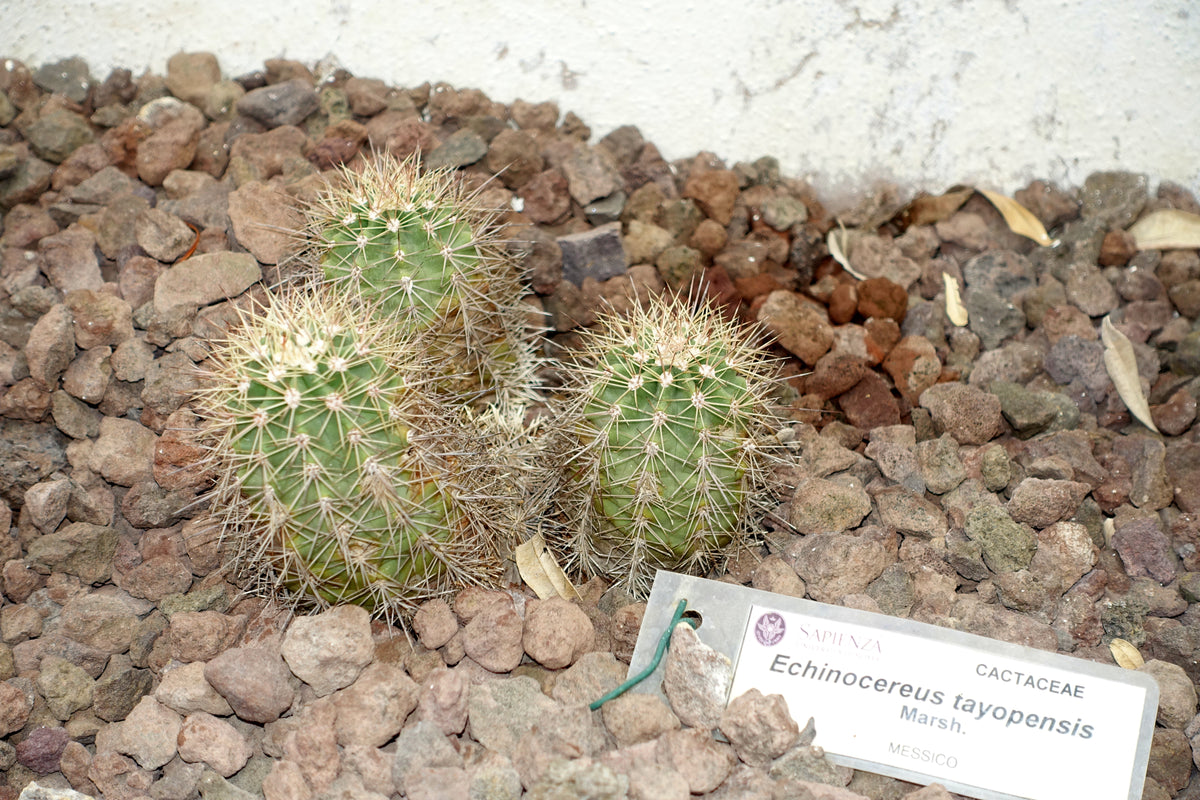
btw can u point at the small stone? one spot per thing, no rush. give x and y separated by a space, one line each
1113 199
799 325
1091 292
590 174
597 254
163 236
1145 549
634 718
149 734
759 727
696 678
1041 502
992 317
372 710
590 678
329 650
556 633
191 76
1176 693
822 506
56 134
502 712
286 103
774 574
434 623
253 680
82 549
460 149
124 452
184 689
715 191
869 403
968 414
51 347
443 700
15 706
41 750
204 279
101 319
914 366
880 297
940 465
493 637
545 197
834 565
1003 272
264 220
1028 412
203 737
1006 545
910 513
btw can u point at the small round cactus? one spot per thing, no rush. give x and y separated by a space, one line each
428 254
669 426
340 477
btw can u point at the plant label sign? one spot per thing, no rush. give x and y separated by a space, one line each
984 718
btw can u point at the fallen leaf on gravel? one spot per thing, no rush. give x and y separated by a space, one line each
928 209
1020 220
955 309
1167 229
840 243
1122 368
541 572
1125 654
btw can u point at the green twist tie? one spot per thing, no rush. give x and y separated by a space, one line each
676 618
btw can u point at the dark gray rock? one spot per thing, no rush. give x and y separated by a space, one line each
598 254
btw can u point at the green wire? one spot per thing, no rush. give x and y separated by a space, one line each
676 618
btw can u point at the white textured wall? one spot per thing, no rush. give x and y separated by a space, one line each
845 91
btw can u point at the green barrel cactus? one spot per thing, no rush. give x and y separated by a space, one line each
669 430
429 256
340 477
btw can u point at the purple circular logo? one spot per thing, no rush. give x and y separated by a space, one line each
769 629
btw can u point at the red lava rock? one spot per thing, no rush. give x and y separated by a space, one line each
493 637
253 680
869 403
709 237
715 191
879 297
843 303
1117 248
545 196
1145 549
41 749
970 415
1176 415
834 374
914 366
800 325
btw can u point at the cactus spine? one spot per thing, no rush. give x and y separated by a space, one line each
341 478
669 425
427 253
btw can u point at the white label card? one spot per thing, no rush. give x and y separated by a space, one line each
986 719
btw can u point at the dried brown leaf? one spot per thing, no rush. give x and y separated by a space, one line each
955 309
928 209
841 243
1020 220
1167 229
1125 654
541 571
1121 364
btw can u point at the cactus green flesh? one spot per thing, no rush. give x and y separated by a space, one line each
339 479
428 255
671 427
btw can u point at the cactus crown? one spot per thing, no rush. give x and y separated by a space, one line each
671 425
428 254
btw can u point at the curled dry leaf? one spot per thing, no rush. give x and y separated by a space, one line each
928 209
841 242
1167 229
1020 220
541 572
1125 654
955 309
1121 364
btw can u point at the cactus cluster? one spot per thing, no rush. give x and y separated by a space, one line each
367 426
670 441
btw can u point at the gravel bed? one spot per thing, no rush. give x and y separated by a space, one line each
986 478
